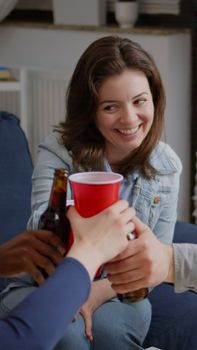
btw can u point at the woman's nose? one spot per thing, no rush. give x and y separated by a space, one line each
128 113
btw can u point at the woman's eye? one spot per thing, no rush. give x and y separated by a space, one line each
109 108
140 101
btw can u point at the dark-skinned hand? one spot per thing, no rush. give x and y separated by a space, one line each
32 252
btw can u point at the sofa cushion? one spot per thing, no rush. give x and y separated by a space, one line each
173 325
185 232
15 179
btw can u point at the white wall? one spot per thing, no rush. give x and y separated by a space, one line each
59 50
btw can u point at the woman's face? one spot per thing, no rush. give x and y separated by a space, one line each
125 113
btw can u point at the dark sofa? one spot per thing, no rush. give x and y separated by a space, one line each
15 179
173 325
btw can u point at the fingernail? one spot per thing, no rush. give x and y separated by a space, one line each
62 250
90 337
131 236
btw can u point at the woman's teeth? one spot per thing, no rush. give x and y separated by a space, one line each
129 131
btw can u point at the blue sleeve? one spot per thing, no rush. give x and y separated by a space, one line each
41 319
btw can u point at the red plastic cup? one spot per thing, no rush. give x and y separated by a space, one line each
94 192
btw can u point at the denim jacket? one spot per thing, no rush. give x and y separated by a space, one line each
155 199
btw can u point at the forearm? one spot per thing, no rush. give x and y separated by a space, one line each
105 291
87 256
169 254
91 260
26 325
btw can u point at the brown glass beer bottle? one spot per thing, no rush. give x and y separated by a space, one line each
132 297
54 217
137 295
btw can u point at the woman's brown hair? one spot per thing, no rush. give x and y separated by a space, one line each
106 57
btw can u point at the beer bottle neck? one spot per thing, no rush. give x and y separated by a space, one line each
58 193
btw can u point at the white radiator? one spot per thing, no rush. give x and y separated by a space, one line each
9 102
45 104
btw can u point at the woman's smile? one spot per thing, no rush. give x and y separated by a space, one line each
129 131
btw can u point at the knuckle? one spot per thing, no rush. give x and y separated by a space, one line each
25 255
38 275
47 262
54 255
26 241
110 213
118 222
131 211
145 243
51 251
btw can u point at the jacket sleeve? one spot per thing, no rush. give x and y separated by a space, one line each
41 319
168 193
185 262
51 154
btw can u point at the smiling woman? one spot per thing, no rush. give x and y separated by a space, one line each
115 110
